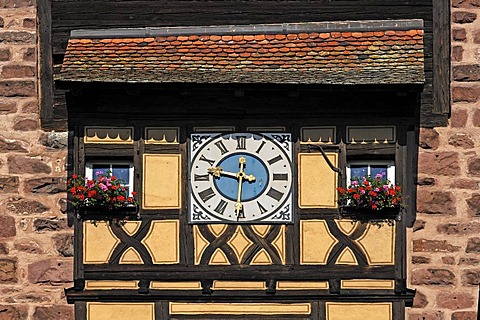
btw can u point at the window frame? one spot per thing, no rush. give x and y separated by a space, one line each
389 163
130 186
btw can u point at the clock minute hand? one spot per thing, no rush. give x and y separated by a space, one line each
218 171
240 176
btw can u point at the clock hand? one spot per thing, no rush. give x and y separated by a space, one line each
240 176
218 171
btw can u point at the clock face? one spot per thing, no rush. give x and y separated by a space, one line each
240 178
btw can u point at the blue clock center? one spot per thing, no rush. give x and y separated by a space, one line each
228 186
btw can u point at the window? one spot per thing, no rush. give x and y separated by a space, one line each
360 169
121 170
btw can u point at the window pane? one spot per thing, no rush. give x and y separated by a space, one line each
122 172
358 171
99 169
378 169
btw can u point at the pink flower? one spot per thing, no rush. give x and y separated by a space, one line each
103 187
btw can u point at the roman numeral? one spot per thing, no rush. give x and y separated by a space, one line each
204 177
276 159
221 146
261 208
275 194
206 194
260 147
203 158
280 176
241 143
222 205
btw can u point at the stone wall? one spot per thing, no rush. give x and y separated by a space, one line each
35 242
444 245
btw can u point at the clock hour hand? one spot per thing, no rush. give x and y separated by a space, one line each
218 171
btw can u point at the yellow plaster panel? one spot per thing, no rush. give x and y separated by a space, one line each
217 229
120 311
317 182
316 242
261 229
279 244
131 227
98 242
239 285
356 311
108 135
347 257
162 241
378 243
261 258
130 256
185 285
296 285
239 242
368 284
239 308
200 244
219 258
346 226
110 284
162 181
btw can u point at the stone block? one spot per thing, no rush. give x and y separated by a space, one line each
457 53
454 300
9 184
448 260
473 204
463 17
471 277
3 248
54 140
7 228
464 315
466 73
17 37
28 246
8 270
5 54
459 34
468 262
30 55
428 138
465 94
476 118
420 260
50 271
420 300
459 118
418 225
7 107
16 3
45 185
473 245
466 3
49 224
55 312
426 315
13 312
12 145
25 124
432 277
17 71
459 228
28 23
64 244
17 88
32 165
461 140
25 207
474 167
467 184
436 202
424 245
439 163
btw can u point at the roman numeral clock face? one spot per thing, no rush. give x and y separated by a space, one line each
240 178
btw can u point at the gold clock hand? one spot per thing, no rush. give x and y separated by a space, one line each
218 171
240 176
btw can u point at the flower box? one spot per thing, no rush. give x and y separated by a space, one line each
367 214
107 213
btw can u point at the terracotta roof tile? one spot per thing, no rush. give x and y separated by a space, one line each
346 57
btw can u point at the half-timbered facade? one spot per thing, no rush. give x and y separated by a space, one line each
295 104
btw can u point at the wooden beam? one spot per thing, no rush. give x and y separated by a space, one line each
441 54
45 64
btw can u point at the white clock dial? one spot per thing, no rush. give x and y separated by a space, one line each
240 177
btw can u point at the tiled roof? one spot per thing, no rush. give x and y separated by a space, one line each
303 57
